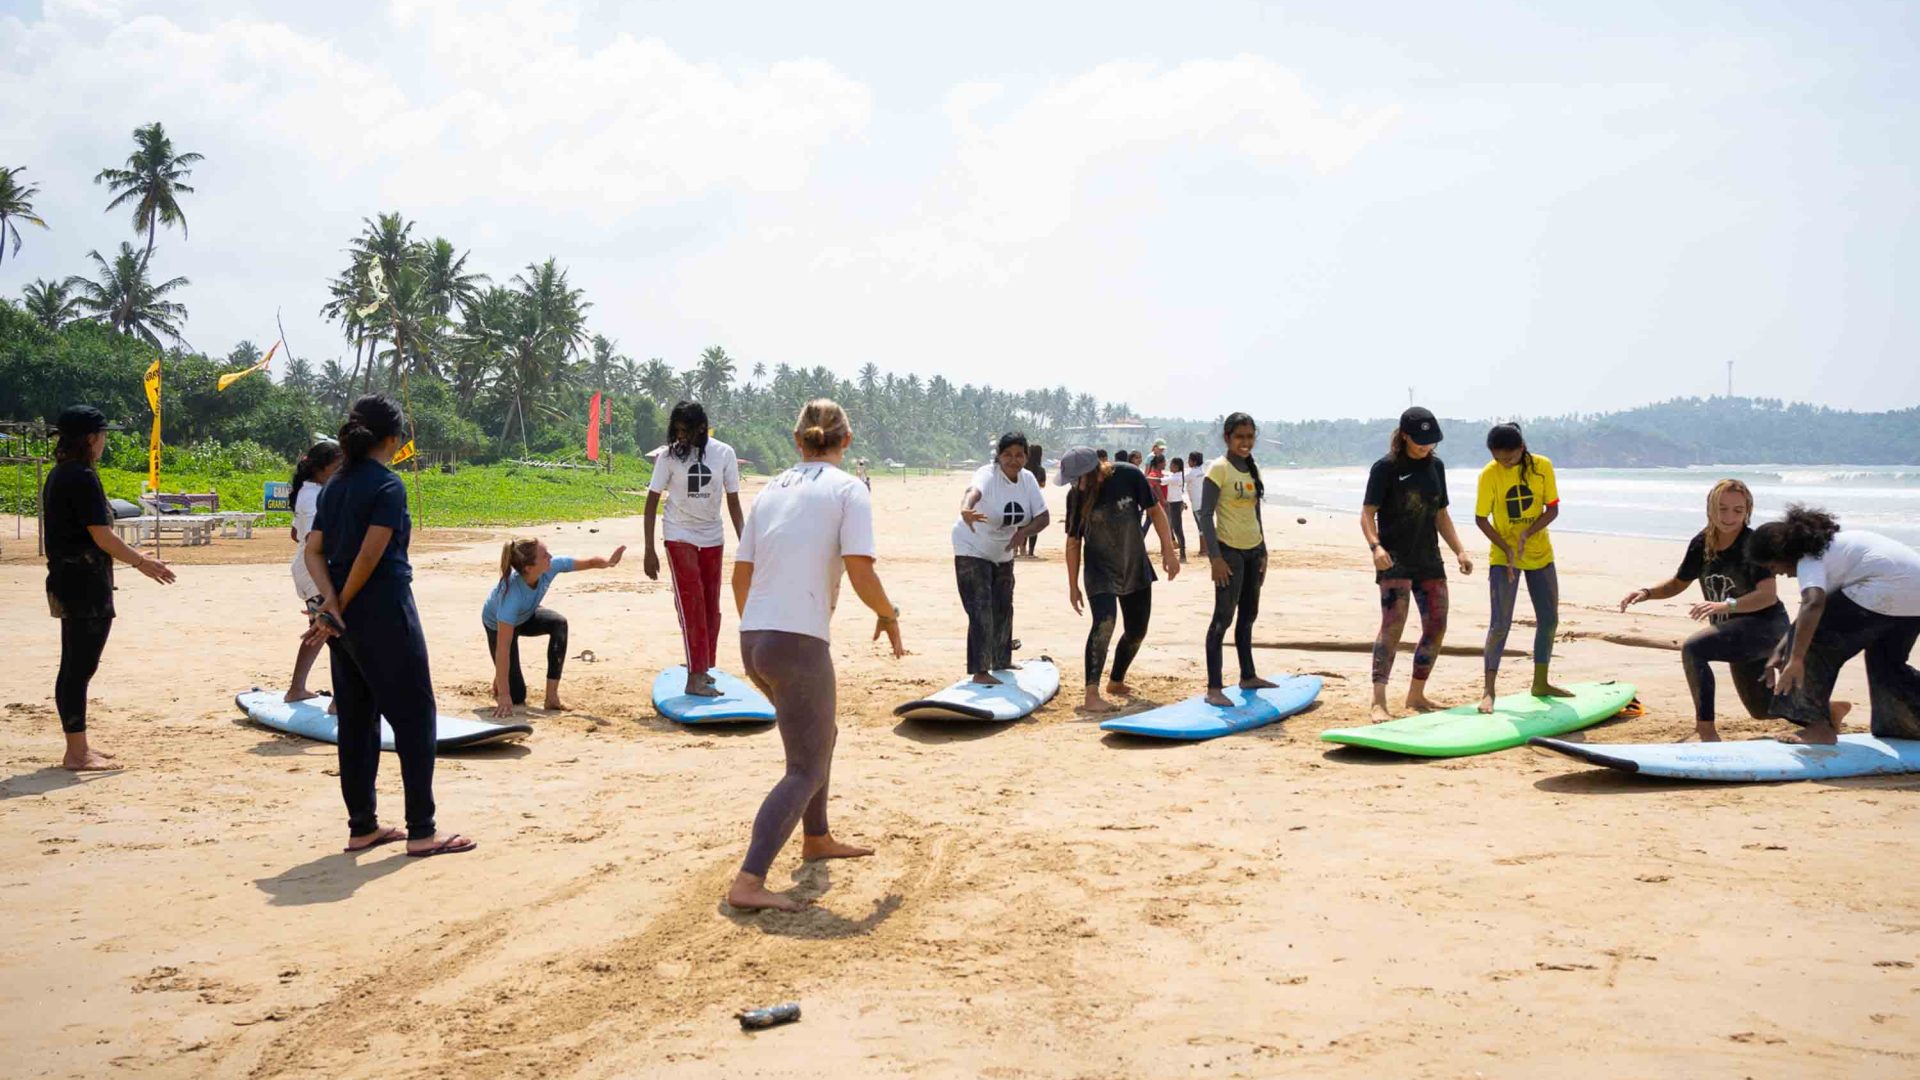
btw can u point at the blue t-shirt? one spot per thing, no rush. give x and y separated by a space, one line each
356 499
513 600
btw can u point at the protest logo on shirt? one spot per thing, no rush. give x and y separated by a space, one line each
1519 500
1013 514
699 477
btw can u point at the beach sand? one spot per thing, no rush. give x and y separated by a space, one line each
1046 901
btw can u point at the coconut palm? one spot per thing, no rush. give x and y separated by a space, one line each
335 385
16 202
715 374
448 285
51 303
299 377
658 382
126 300
152 180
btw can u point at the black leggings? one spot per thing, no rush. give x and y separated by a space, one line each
1137 609
1893 686
544 622
1236 603
795 671
1744 642
380 670
1177 520
986 592
81 643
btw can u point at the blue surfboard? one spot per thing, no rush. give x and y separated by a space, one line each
309 718
1194 719
1749 760
738 702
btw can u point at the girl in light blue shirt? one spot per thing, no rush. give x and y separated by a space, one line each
513 611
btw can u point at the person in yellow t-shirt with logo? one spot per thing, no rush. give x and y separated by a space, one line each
1518 498
1229 520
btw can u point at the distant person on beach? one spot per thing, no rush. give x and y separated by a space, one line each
1134 458
1517 499
1404 517
811 521
1741 607
77 527
1157 476
1229 518
1859 592
1100 454
1176 502
1196 478
692 473
1036 465
315 468
1103 511
513 611
1000 509
860 470
357 555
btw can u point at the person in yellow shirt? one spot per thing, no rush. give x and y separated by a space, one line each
1518 498
1229 520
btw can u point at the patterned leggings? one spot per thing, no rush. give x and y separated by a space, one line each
1431 597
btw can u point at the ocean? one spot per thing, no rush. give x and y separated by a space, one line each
1661 503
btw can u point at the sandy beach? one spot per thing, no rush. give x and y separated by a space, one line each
1046 901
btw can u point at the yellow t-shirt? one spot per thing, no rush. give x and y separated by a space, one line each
1234 520
1513 502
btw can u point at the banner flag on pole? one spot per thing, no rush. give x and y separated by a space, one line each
593 428
153 445
403 453
234 377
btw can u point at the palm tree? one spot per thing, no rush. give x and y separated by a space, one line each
153 177
658 382
299 377
688 387
759 371
51 303
335 385
601 369
715 374
16 201
869 380
448 284
628 376
127 301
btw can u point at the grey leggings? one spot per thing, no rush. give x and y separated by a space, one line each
795 671
1543 588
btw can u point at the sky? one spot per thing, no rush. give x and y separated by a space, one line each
1298 210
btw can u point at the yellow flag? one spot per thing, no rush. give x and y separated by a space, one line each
153 444
403 453
234 377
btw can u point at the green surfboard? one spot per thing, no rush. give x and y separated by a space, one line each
1465 730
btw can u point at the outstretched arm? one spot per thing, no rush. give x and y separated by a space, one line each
733 511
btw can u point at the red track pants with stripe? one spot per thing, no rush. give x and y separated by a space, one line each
696 596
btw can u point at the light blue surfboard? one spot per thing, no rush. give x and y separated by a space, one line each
1020 691
738 702
309 718
1750 760
1195 719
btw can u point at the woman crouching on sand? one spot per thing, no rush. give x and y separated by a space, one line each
1859 592
513 611
1103 525
811 521
357 554
1742 607
1404 517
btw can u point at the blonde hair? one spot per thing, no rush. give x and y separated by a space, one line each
518 554
1713 502
821 426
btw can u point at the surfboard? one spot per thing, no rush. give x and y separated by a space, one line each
309 718
1021 690
1465 730
1194 719
738 702
1750 760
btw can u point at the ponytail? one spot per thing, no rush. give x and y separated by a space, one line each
373 420
821 426
1233 421
317 458
516 555
1508 437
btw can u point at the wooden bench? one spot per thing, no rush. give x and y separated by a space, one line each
192 530
237 524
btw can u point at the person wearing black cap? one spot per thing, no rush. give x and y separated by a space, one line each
1104 504
1404 517
77 526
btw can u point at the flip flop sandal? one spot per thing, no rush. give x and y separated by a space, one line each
387 836
452 845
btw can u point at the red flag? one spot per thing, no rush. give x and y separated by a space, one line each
593 429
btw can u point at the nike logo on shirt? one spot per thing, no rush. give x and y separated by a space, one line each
1404 477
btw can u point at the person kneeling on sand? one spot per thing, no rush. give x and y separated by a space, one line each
513 611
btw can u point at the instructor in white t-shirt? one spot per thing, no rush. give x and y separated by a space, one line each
1001 508
809 523
692 472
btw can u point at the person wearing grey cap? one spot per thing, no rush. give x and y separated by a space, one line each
77 527
1104 505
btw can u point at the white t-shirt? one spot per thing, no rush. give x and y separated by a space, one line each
1008 505
1878 573
1176 486
695 489
805 521
305 505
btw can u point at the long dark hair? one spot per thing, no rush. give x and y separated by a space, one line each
1508 437
312 463
1234 420
687 427
374 419
1089 492
72 448
1805 533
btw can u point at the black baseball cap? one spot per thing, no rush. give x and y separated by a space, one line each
78 420
1419 425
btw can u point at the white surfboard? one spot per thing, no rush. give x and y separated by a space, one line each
1021 690
309 718
1750 760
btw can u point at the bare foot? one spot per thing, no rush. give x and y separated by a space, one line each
1258 684
985 678
1097 704
750 893
1836 709
555 705
1218 697
91 761
1420 704
374 839
302 694
826 847
1380 714
1486 704
702 686
1706 731
1119 689
1547 689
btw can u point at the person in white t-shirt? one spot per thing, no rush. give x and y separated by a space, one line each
809 523
316 467
1859 593
1002 506
693 471
1176 484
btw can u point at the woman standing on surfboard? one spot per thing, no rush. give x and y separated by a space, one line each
77 525
1859 592
984 544
693 472
1518 498
1103 525
1229 521
1741 607
357 554
809 523
1404 517
321 461
513 611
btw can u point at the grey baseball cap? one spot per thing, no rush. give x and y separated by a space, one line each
1075 464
